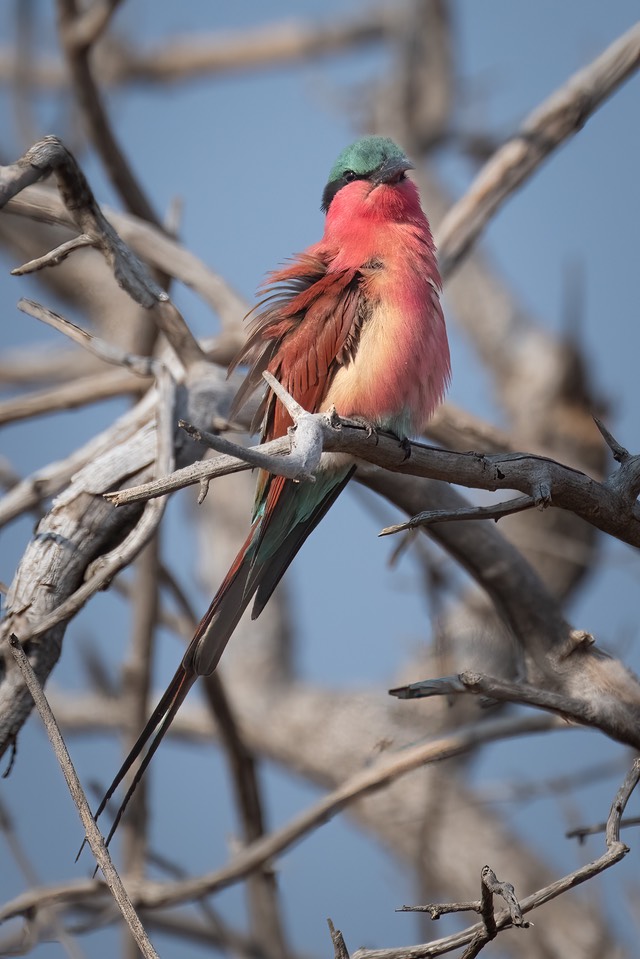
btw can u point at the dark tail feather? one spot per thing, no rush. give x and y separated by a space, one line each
201 657
277 566
153 733
250 572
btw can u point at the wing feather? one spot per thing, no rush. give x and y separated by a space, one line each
306 327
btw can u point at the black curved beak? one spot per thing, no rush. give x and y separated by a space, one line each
392 170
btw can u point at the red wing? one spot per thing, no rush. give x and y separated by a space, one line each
303 331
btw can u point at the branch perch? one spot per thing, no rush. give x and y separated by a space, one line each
609 506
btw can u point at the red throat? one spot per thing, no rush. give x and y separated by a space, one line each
382 203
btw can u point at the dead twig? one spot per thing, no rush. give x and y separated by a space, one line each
49 155
615 851
94 837
490 886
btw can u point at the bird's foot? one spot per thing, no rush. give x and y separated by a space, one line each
362 423
405 443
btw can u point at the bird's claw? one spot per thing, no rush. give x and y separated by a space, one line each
362 423
405 443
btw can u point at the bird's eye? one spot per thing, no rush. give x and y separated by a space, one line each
350 175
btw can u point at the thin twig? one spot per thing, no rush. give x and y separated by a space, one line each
578 710
620 454
581 832
140 365
93 834
56 256
430 517
614 853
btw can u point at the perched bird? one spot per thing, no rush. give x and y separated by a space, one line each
353 322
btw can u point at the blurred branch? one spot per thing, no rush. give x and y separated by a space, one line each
561 116
266 920
76 42
48 924
149 895
88 25
30 492
181 59
136 683
69 396
50 155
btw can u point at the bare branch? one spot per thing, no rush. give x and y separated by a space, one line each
49 155
609 506
560 117
75 43
620 454
340 950
140 365
93 834
614 853
490 886
54 257
429 517
69 396
387 769
157 249
496 689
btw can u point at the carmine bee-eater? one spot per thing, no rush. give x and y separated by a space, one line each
353 322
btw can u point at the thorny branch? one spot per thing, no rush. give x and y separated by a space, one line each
490 886
610 506
615 851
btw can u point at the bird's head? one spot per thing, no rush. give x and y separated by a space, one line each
371 161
